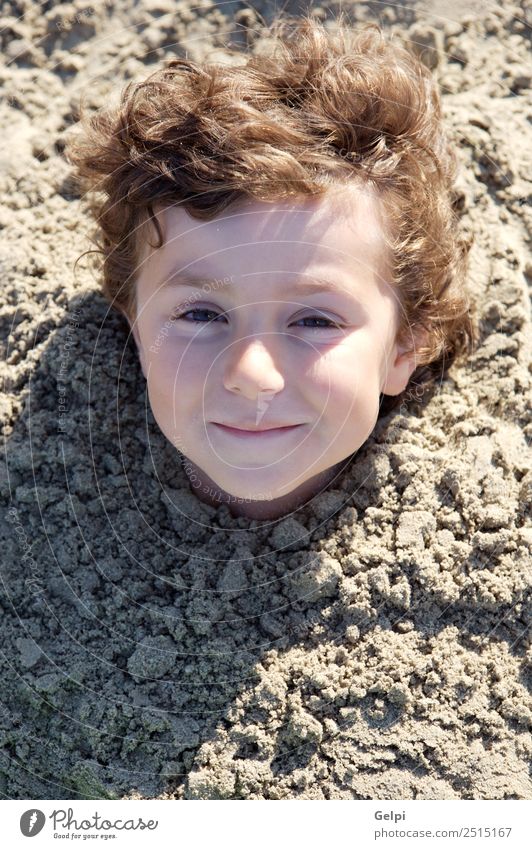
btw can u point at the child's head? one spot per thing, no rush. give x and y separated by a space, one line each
306 195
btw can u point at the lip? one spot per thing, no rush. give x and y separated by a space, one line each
257 434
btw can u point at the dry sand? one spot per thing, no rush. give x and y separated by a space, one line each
371 646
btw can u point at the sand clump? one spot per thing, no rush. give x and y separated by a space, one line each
374 644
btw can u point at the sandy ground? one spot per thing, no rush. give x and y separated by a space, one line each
374 644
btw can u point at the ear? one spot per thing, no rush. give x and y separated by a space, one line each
402 363
136 335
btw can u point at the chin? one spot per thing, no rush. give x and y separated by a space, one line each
253 489
240 495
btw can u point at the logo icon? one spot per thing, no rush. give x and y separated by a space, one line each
263 402
32 822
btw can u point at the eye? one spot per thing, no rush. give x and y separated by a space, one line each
177 316
328 321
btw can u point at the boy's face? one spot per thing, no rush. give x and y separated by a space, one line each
256 349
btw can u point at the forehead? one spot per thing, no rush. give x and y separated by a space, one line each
342 229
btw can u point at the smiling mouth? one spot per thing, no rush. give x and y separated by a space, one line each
267 432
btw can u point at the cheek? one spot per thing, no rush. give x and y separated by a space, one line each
177 390
177 412
171 366
347 376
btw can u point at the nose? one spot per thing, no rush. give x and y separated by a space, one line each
250 369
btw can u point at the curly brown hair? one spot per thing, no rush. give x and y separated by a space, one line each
318 109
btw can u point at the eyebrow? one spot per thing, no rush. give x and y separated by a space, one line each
308 286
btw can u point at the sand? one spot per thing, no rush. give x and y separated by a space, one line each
374 644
